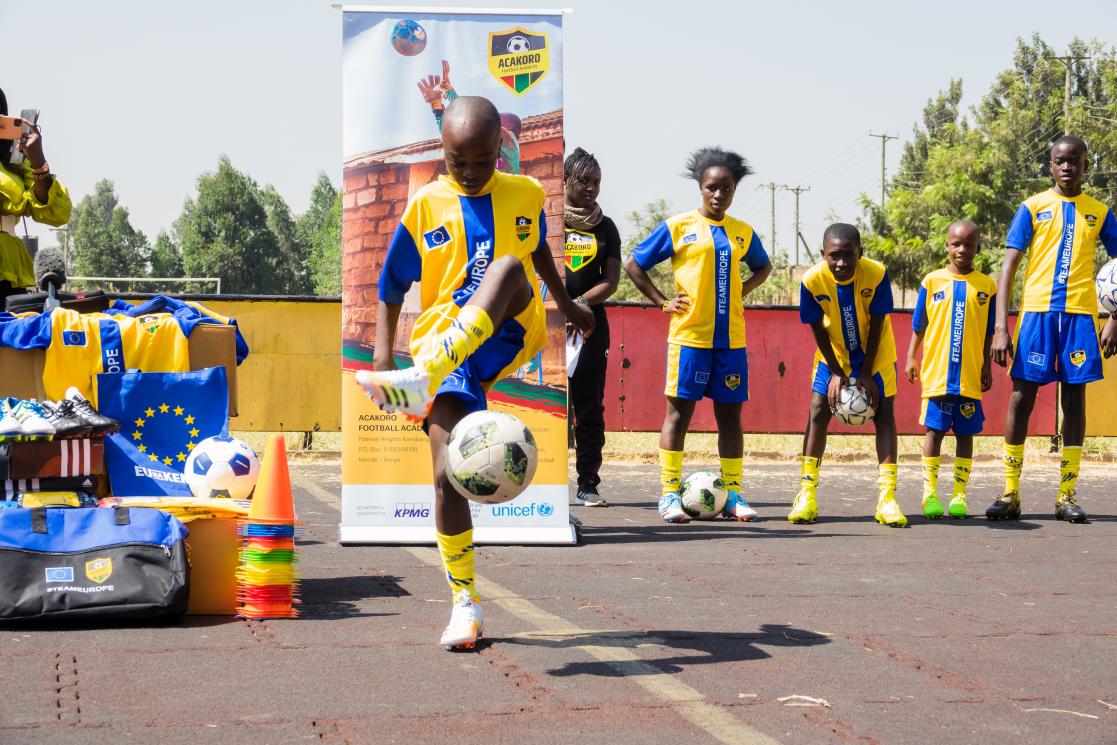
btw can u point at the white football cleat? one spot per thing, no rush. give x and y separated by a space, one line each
407 391
671 509
737 508
467 623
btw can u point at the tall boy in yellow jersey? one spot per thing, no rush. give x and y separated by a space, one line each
1056 335
954 314
847 301
706 356
474 241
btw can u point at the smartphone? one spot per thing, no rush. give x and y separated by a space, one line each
29 118
11 128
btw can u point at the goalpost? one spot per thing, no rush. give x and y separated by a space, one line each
112 281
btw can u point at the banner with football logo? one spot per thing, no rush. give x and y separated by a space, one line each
400 69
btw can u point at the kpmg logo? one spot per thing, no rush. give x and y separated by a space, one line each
534 509
412 509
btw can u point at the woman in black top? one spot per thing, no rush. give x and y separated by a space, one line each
593 268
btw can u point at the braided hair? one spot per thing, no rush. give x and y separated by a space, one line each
578 164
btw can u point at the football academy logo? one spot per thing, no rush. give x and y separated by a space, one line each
519 59
967 409
821 298
982 298
98 570
581 249
523 227
1078 357
866 292
437 238
732 381
1091 219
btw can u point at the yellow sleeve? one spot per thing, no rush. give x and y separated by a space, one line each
58 207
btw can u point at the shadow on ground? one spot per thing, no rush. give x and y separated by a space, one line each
339 597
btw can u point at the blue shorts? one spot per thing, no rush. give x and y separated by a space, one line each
718 374
959 414
480 369
886 380
1057 346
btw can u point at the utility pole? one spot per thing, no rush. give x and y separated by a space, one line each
1068 61
884 138
797 190
772 186
64 238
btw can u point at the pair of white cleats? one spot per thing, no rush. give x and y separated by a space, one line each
407 391
736 508
467 623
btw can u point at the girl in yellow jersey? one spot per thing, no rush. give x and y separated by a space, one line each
706 354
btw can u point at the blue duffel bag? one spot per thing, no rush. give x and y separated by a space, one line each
92 564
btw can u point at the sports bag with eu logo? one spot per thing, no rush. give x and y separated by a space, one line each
92 564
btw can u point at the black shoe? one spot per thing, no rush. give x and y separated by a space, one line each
65 419
587 498
82 408
1007 507
1067 509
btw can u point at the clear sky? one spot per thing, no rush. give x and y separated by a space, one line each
150 93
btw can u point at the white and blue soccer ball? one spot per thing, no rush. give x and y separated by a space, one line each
703 495
222 466
854 408
1107 287
490 457
519 44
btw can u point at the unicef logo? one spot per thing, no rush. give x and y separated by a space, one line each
546 509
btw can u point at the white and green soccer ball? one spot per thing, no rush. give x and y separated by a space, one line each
490 457
854 408
1107 287
703 495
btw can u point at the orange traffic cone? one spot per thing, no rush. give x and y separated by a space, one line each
272 502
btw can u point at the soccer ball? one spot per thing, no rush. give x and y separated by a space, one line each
518 44
1107 287
222 466
409 38
490 457
703 495
853 405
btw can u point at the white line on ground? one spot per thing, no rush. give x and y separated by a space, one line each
690 703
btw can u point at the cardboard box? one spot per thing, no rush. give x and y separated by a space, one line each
213 548
56 459
210 345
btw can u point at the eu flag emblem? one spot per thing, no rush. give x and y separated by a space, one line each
73 338
436 238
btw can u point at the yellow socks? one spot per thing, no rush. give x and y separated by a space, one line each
1068 469
670 470
962 468
886 479
930 474
1014 463
446 352
457 557
808 478
731 473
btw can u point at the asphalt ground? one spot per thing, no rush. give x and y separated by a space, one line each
839 632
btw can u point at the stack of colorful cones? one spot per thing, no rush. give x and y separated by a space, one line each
267 585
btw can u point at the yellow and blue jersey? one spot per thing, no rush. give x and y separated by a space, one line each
446 241
1059 236
955 313
705 255
844 309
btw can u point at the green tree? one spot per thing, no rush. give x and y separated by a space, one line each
166 257
319 228
293 266
104 242
224 232
643 222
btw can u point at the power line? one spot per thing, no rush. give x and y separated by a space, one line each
884 138
797 190
772 186
1068 61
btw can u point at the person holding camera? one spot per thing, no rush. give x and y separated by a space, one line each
27 188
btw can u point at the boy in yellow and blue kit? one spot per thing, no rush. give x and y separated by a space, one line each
847 301
954 315
1056 335
473 240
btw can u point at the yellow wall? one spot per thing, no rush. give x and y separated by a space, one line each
1101 403
291 380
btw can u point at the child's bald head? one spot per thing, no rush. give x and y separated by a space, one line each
471 141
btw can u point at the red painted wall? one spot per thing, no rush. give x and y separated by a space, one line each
781 350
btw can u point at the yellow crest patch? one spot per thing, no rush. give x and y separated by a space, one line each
581 249
1078 357
98 570
967 410
732 381
519 59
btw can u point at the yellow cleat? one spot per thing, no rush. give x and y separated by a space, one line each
804 509
889 513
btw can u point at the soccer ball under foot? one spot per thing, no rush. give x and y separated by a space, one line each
703 495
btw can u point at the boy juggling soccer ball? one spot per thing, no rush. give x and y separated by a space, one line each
706 354
954 317
846 300
1056 334
473 240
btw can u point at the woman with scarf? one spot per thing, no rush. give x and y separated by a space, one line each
26 189
593 269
